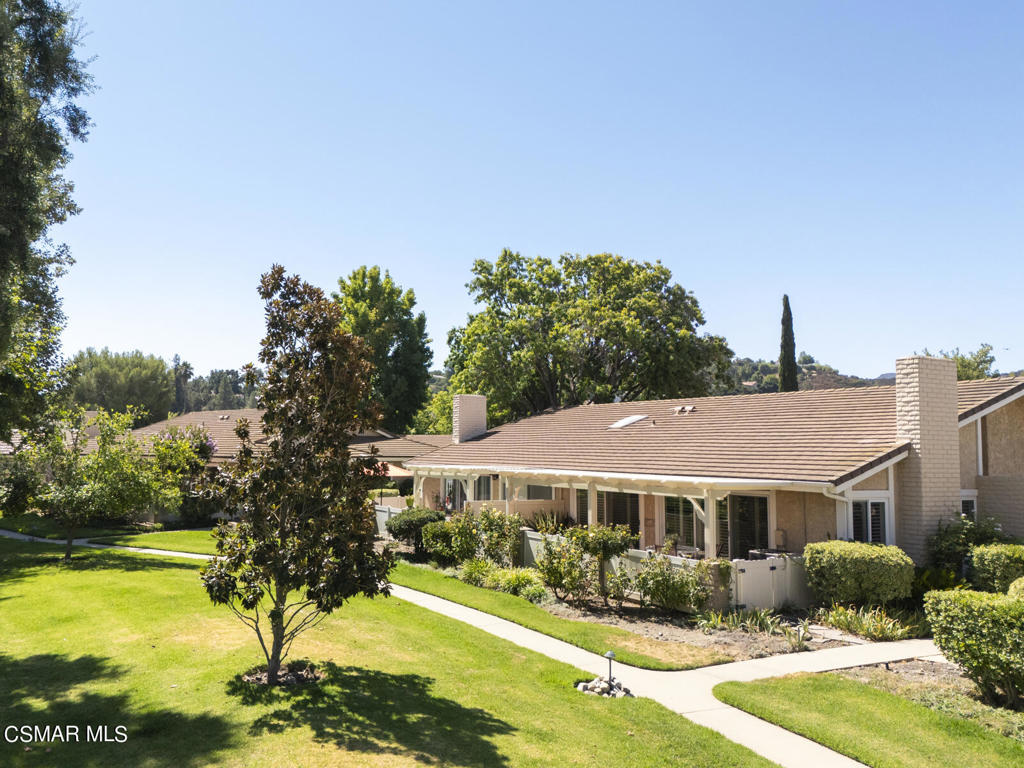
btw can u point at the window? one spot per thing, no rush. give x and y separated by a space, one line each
581 506
482 488
539 493
869 521
620 509
969 503
681 521
454 495
748 524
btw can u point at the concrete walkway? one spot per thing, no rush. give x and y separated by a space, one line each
689 693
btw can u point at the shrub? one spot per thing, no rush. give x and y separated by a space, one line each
564 567
475 572
453 541
551 522
620 583
408 525
928 579
1016 589
19 482
499 535
996 566
673 588
602 542
515 581
984 634
871 623
853 572
950 546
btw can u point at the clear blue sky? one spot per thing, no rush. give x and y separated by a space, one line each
865 158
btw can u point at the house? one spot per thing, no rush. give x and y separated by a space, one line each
739 475
220 426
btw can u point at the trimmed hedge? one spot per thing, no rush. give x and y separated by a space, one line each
408 525
853 572
996 566
983 633
1016 589
453 541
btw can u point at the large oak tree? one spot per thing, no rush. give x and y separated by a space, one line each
583 329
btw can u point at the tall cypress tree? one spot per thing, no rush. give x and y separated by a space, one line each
787 351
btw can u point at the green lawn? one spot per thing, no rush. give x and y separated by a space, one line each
869 725
630 648
124 639
32 524
201 542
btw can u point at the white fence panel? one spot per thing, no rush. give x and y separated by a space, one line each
384 514
770 583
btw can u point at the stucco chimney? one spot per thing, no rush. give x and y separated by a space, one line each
469 417
928 480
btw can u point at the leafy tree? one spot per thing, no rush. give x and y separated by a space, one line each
40 78
972 365
788 372
306 523
116 381
435 418
223 389
113 479
587 328
377 310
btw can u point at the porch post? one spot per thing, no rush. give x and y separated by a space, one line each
711 526
591 504
417 490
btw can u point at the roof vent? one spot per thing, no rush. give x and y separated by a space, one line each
627 421
684 409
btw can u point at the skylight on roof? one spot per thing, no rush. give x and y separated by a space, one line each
627 421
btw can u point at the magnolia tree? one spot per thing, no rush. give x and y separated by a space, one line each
95 468
304 543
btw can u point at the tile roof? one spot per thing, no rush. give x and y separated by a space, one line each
816 436
401 447
220 425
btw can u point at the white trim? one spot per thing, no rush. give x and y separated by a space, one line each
869 496
569 478
980 447
994 407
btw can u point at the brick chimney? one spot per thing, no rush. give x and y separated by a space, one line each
928 480
469 417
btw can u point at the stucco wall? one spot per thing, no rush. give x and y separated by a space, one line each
876 482
1003 498
1004 440
969 456
431 487
803 518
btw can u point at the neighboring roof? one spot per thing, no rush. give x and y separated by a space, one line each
220 425
818 436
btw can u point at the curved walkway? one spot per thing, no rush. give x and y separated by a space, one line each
688 692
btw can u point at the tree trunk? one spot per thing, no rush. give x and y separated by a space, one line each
602 581
276 645
67 549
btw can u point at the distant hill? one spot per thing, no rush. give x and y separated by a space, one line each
747 375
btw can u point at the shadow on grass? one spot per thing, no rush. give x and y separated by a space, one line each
54 689
367 710
19 559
